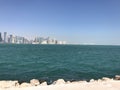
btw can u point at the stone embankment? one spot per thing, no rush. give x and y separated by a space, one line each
35 82
12 84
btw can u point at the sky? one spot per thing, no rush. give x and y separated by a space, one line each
75 21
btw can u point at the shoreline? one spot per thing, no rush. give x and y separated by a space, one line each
34 84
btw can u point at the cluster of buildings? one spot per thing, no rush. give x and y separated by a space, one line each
11 39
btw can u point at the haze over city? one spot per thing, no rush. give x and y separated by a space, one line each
75 21
13 39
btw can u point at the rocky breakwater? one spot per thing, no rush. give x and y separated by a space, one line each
35 82
8 84
13 84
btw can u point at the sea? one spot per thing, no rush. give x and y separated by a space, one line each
52 62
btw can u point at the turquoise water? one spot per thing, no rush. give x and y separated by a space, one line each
51 62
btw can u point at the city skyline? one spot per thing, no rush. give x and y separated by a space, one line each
75 21
13 39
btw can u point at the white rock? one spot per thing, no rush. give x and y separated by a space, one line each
106 79
79 82
34 82
68 82
92 80
117 77
59 81
99 80
8 84
44 84
25 84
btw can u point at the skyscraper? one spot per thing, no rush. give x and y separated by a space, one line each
0 37
5 37
11 39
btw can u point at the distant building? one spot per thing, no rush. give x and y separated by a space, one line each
44 42
5 37
51 41
39 40
19 40
22 40
25 41
63 42
0 37
12 39
59 42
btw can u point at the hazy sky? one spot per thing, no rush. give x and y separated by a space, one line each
76 21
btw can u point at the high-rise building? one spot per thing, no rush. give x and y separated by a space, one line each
5 37
0 37
11 39
39 40
18 39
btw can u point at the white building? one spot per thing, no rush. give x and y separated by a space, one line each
11 39
5 37
44 42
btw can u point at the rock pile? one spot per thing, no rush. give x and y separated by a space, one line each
106 79
8 84
117 77
35 82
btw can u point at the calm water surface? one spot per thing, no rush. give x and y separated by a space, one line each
51 62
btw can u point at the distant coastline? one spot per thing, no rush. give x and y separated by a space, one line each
13 39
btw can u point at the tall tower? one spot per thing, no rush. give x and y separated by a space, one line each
5 37
11 39
0 37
